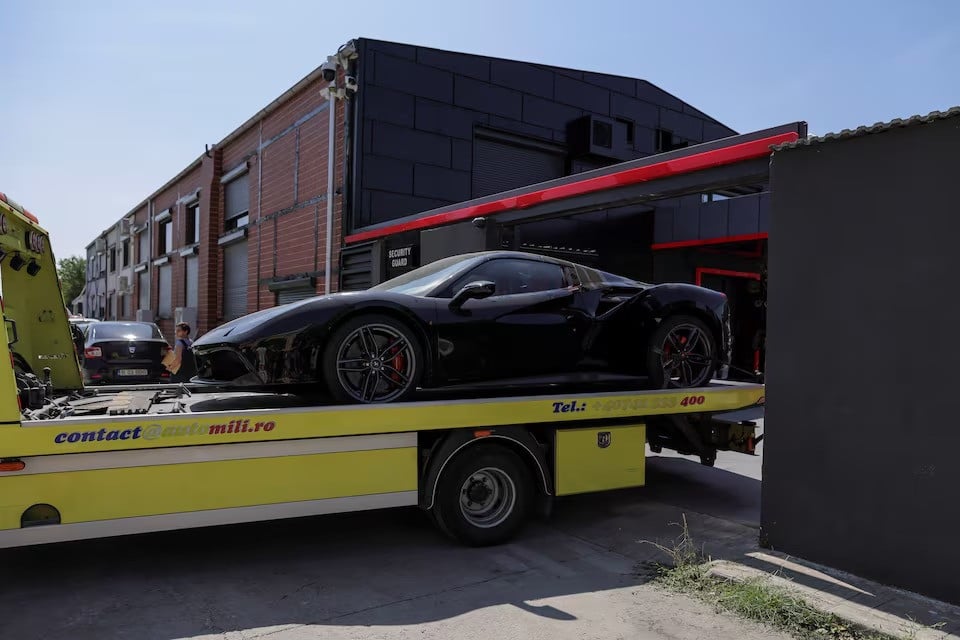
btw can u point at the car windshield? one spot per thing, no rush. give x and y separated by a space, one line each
124 331
426 278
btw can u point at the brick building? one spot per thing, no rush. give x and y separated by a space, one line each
245 226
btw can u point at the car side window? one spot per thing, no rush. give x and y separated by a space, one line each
512 276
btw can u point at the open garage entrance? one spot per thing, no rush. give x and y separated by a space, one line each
744 292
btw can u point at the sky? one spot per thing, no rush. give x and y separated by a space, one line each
102 102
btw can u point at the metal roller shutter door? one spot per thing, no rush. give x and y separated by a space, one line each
144 290
292 295
193 281
165 286
234 280
501 166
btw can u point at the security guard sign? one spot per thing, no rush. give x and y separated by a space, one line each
603 439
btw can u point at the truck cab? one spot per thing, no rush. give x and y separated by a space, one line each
36 330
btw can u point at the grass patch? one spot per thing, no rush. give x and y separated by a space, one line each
756 599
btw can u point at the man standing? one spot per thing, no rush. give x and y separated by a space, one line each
182 366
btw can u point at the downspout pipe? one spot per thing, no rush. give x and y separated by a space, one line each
150 257
331 149
259 212
333 91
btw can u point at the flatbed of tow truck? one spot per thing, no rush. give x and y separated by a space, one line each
79 462
118 407
131 460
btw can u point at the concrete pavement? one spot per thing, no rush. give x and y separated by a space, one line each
583 574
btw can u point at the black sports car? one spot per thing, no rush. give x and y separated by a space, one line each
488 318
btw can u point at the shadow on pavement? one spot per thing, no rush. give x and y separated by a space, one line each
375 568
709 490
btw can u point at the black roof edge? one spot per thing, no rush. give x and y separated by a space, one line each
799 127
864 130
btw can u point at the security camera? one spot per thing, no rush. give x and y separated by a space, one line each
479 222
351 83
348 50
329 69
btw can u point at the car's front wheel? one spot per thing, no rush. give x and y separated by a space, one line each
682 353
373 359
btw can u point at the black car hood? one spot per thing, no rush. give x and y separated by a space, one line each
233 329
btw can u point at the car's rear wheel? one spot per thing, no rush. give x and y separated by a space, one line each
682 353
373 359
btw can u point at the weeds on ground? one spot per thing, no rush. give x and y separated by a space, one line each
688 572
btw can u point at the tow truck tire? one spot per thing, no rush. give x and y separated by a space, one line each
483 496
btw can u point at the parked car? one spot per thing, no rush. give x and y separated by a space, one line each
486 318
117 352
80 321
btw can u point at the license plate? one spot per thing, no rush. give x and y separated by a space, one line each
132 372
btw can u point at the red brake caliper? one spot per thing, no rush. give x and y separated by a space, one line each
397 363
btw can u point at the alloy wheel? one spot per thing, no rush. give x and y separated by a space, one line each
376 363
686 355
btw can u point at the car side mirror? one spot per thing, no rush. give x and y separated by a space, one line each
476 289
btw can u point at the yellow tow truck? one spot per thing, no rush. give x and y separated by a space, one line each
80 463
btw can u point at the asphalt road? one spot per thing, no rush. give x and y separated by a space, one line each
585 573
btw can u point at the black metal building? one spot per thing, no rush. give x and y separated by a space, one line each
429 128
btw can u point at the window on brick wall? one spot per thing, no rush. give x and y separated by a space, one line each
164 237
113 259
193 223
125 250
236 203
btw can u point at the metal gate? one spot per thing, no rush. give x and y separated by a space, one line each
234 280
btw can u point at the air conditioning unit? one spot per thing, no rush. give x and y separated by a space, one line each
144 315
186 314
101 244
123 284
124 227
599 137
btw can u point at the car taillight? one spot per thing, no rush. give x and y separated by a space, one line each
93 352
